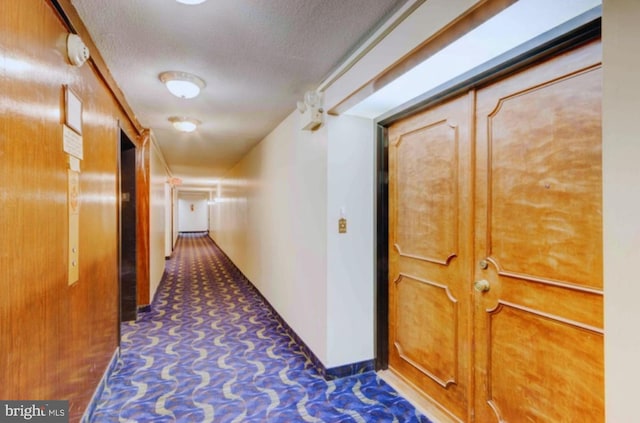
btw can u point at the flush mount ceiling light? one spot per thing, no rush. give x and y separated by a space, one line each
182 84
191 1
184 124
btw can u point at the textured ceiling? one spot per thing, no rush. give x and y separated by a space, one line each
258 57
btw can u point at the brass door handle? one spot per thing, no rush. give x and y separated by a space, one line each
482 285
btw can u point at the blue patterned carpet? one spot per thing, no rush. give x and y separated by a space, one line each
211 350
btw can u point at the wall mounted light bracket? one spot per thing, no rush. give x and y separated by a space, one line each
311 111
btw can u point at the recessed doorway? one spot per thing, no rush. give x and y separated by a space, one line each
128 226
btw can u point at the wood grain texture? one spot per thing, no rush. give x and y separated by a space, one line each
55 340
551 379
420 305
143 186
430 253
545 156
430 166
539 330
527 184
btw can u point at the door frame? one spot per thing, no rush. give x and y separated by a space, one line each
577 31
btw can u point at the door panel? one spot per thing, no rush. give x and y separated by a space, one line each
544 189
427 162
538 330
414 296
430 252
502 186
539 368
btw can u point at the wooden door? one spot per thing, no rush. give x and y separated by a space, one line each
539 329
430 252
495 247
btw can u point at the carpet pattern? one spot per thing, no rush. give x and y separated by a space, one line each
211 350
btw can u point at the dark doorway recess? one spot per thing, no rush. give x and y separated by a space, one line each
128 303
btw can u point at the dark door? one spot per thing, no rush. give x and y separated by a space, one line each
128 305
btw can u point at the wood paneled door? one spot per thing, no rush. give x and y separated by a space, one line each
495 247
430 258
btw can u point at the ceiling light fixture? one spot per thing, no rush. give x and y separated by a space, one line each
191 1
184 124
182 84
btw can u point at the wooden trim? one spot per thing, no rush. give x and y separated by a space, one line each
445 36
143 185
70 18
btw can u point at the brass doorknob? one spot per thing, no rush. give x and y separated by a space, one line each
482 285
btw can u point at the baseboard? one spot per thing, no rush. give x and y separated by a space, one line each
328 373
91 407
349 369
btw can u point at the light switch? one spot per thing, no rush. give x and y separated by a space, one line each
342 225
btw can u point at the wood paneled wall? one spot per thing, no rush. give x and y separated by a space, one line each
55 340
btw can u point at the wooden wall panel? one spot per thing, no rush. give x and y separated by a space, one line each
143 186
55 340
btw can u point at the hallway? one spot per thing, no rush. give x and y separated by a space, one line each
212 350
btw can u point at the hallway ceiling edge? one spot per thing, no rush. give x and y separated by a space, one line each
258 57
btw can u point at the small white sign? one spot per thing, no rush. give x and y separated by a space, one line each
72 142
74 164
73 110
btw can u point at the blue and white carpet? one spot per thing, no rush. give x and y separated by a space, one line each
211 350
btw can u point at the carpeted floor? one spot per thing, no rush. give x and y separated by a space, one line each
212 351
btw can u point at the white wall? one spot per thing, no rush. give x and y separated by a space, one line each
193 211
277 213
255 220
350 267
157 219
272 224
621 164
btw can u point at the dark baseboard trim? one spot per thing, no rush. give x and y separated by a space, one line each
93 403
328 373
349 369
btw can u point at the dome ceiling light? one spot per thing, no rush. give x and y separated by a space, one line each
182 84
184 124
191 1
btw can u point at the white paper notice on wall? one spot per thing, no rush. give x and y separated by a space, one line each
72 142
